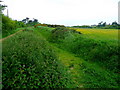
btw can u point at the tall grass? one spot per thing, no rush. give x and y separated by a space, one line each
29 62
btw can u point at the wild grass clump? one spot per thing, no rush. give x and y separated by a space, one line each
29 62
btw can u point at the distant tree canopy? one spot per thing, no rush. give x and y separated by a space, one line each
50 25
2 7
114 23
84 26
29 22
102 25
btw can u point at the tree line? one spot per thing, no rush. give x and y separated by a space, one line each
102 25
35 23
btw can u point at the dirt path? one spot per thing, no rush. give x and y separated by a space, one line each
10 35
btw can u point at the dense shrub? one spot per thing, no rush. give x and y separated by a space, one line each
29 62
9 25
60 33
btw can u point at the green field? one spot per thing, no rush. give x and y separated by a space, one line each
101 33
61 58
108 35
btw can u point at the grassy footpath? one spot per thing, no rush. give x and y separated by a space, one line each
86 74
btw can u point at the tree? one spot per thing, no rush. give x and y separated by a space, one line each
35 20
2 7
100 24
114 23
24 21
29 22
27 19
104 24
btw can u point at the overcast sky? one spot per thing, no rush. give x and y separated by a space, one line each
64 12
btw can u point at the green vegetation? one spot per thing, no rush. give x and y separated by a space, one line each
9 26
29 22
107 35
30 62
98 67
59 58
90 49
55 56
101 25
